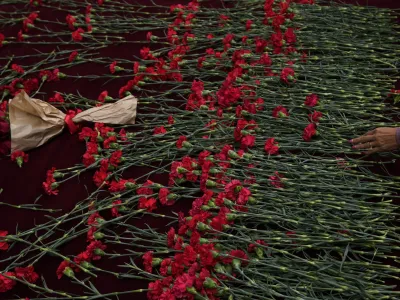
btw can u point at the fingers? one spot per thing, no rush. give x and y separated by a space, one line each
371 132
367 145
363 139
371 151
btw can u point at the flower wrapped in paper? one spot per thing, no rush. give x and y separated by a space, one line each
33 122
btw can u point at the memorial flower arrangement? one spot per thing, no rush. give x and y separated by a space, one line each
245 111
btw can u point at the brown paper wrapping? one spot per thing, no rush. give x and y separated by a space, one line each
33 122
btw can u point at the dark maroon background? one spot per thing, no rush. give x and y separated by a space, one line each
22 186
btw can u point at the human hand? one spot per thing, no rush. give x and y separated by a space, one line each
381 139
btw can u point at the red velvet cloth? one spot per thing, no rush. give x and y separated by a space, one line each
22 186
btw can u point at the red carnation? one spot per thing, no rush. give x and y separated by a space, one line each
27 273
2 38
315 116
115 158
182 283
287 75
6 284
171 237
118 186
165 266
26 24
57 98
110 140
30 85
103 96
20 37
252 247
50 185
311 100
88 133
180 141
147 204
159 130
145 53
276 181
20 157
136 67
290 36
77 35
148 261
82 257
280 112
163 196
112 67
155 290
189 255
247 141
70 21
73 56
200 61
206 255
260 104
100 177
260 45
114 209
88 159
238 255
64 266
171 120
145 189
95 248
248 24
309 132
228 38
3 244
17 69
92 220
271 146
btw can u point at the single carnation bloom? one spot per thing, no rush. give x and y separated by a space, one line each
280 112
20 157
287 75
315 116
311 100
309 132
27 274
159 130
271 146
77 35
6 284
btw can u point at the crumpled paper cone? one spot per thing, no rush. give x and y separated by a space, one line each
33 122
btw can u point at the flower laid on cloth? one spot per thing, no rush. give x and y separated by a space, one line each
20 157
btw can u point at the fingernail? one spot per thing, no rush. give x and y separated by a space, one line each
351 141
354 147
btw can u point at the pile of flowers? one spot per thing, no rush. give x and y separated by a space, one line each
245 112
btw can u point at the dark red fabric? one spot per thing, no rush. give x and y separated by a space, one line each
22 186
